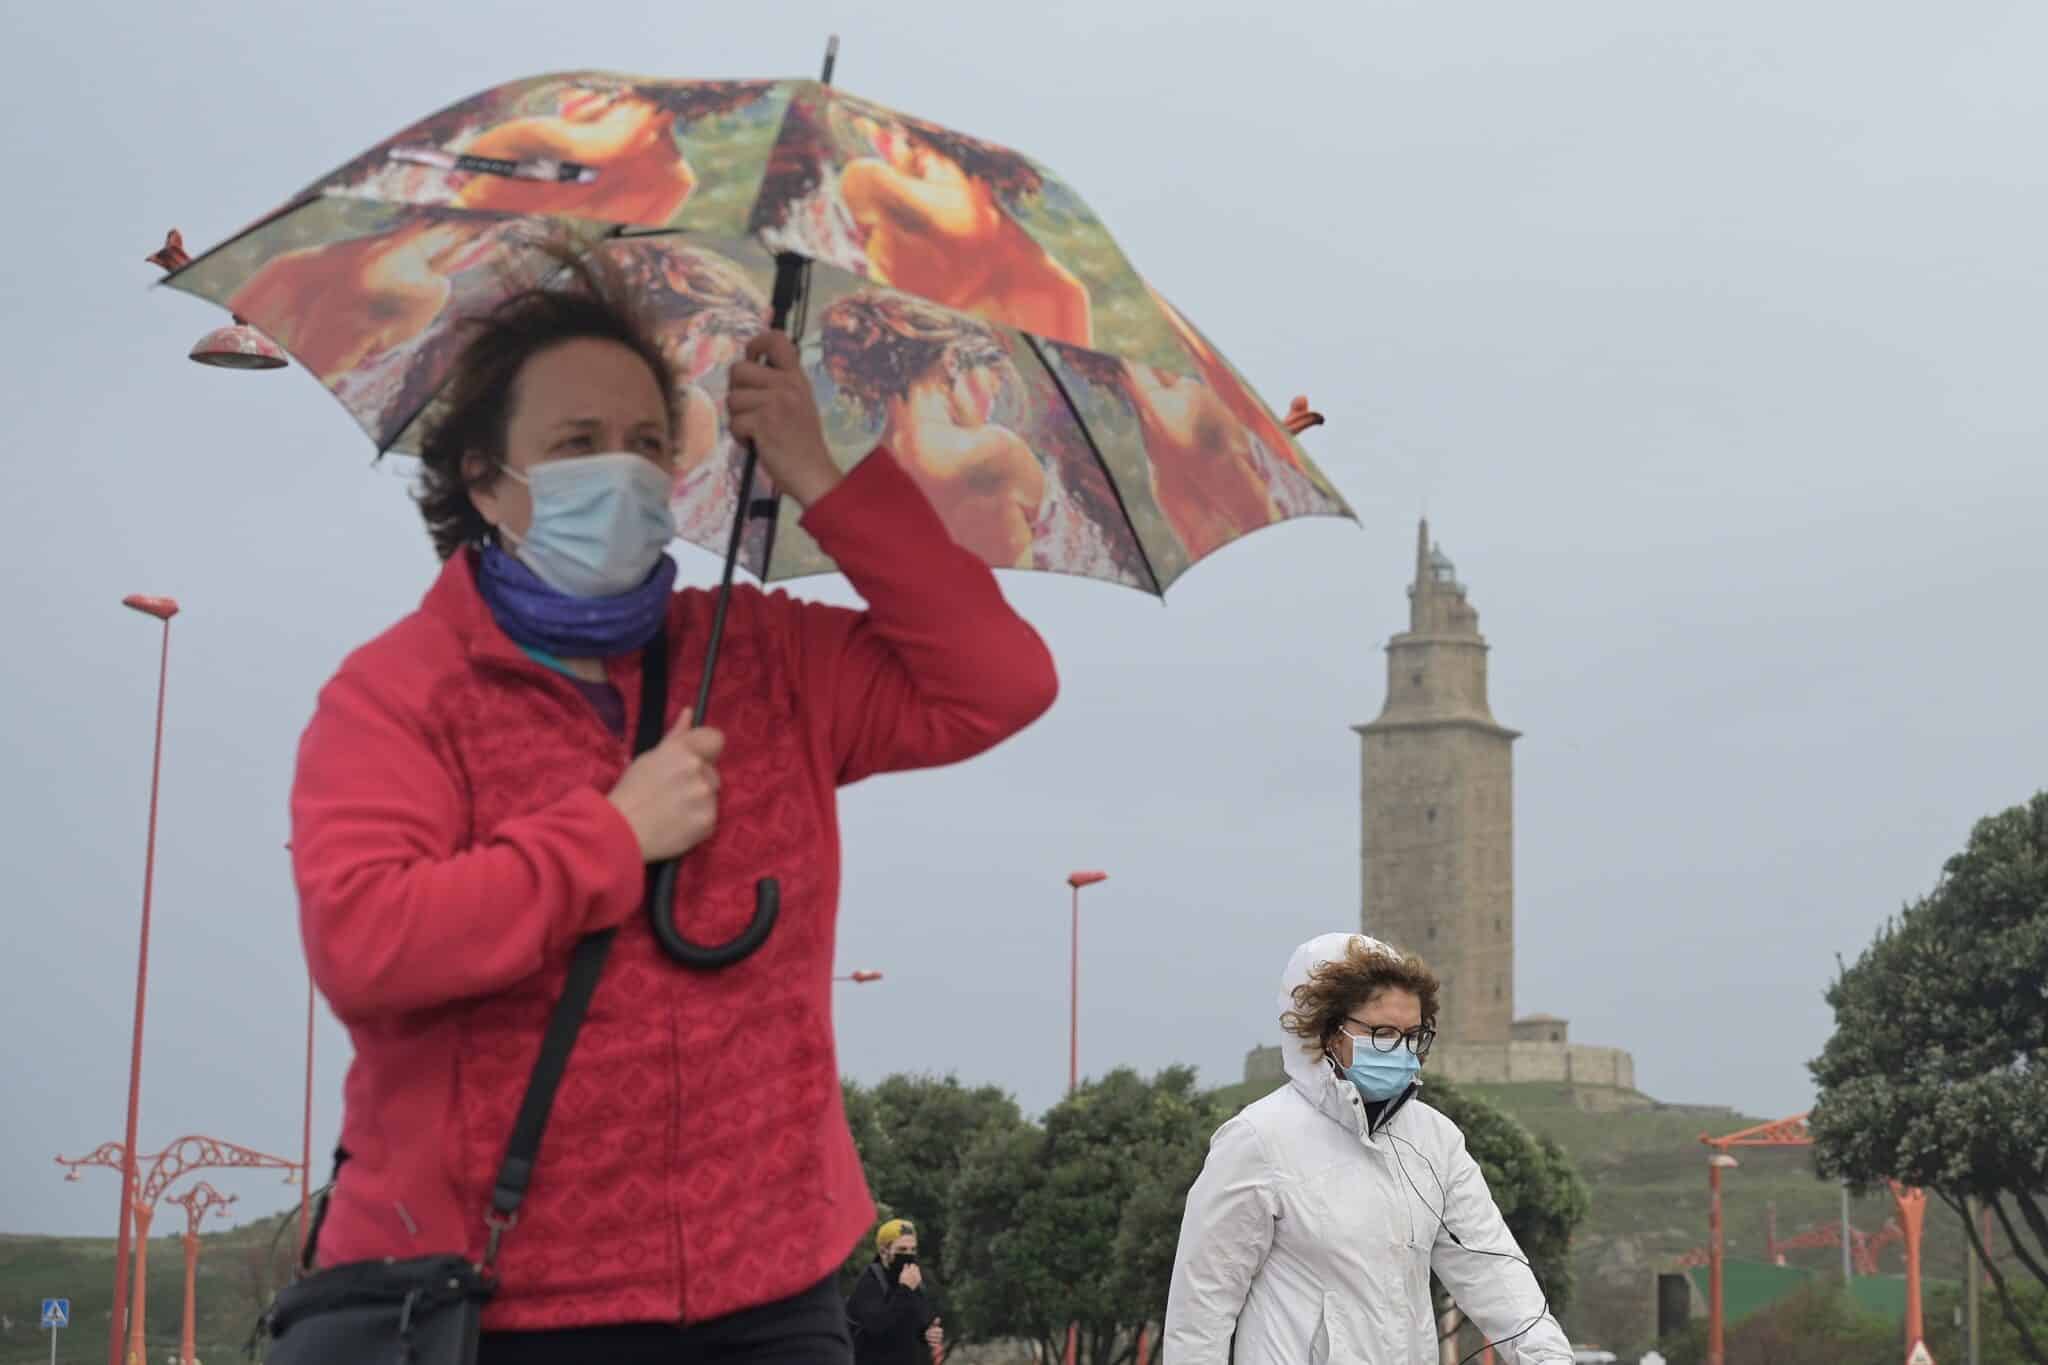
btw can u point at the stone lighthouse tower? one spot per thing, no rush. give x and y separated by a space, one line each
1437 809
1438 806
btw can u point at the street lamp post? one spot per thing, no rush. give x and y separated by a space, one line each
166 1168
1718 1162
1791 1132
1076 880
163 609
197 1202
1912 1215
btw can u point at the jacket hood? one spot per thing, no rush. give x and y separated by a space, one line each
1310 1072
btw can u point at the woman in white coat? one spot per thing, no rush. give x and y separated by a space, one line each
1322 1209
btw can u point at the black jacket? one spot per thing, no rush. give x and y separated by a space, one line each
888 1320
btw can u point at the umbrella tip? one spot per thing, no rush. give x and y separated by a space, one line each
831 58
1300 417
171 255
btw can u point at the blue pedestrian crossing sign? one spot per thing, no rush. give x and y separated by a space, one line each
56 1312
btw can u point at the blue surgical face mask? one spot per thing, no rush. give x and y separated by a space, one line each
599 522
1380 1075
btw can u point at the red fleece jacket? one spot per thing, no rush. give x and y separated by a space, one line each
452 841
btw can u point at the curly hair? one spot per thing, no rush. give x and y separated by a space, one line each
1336 988
878 344
586 300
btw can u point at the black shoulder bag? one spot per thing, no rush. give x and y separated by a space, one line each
427 1310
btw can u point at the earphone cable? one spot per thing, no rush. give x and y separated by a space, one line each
1443 1199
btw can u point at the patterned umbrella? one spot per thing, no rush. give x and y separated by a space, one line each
954 302
973 318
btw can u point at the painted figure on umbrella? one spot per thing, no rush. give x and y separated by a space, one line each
996 451
922 209
630 139
342 306
933 378
1256 418
627 131
1207 473
931 204
1298 488
732 310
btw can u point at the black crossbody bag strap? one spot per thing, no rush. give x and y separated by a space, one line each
320 1213
586 964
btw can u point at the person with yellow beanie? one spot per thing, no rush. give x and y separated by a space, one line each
892 1320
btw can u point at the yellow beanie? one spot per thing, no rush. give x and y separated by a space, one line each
890 1231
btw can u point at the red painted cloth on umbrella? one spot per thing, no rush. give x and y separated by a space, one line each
452 840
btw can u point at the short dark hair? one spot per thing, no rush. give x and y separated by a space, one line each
586 300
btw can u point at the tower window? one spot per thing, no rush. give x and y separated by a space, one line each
1431 933
1415 679
1496 924
1431 815
1496 991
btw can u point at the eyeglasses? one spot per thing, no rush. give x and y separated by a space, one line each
1386 1038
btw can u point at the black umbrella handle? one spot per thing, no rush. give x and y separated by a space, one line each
661 878
767 907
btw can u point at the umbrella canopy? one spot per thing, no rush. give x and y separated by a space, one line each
962 307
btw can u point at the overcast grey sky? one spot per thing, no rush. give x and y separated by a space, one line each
1710 335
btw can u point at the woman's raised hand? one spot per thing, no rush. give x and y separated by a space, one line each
770 402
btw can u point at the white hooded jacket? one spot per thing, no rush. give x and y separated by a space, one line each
1311 1233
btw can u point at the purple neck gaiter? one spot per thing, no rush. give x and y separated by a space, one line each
540 617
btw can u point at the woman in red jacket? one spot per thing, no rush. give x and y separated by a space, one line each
467 807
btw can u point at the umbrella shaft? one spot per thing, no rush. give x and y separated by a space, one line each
732 559
789 281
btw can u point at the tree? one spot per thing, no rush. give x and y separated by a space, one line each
912 1132
1937 1073
1998 1340
1076 1221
